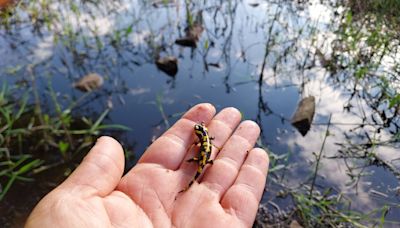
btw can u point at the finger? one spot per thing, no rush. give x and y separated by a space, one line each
248 187
170 149
100 170
225 169
220 128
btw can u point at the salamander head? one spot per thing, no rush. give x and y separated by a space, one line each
200 129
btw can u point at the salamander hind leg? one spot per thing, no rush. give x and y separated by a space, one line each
194 159
193 179
190 184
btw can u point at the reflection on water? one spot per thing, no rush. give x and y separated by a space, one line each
259 56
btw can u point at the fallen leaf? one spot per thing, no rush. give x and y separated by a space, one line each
193 34
304 115
194 31
163 3
6 3
187 42
168 65
295 224
89 82
254 4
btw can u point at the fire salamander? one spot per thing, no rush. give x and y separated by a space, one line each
204 156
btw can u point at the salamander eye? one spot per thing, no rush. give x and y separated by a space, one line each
197 127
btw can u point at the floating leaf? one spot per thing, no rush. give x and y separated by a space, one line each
168 64
160 3
89 82
193 34
187 42
255 4
304 115
195 31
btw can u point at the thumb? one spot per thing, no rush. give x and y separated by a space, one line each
101 169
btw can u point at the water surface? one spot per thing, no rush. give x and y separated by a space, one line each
257 56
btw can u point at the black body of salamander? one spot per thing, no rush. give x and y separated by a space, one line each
204 156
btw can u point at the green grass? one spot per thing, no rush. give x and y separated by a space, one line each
39 128
383 9
322 207
333 210
30 138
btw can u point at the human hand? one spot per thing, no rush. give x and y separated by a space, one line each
227 195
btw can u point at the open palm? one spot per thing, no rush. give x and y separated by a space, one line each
227 195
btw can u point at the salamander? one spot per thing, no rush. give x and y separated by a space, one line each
204 155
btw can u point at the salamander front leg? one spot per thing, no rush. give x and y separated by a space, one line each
211 139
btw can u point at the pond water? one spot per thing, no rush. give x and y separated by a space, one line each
261 57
